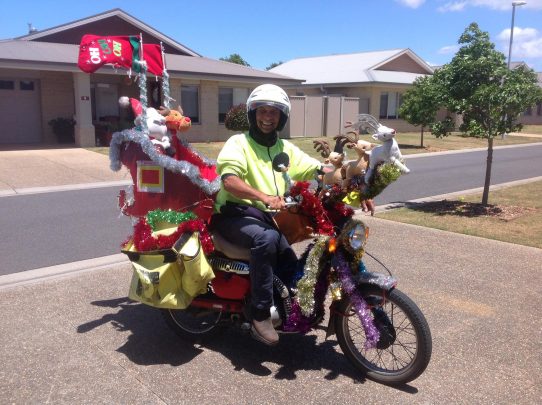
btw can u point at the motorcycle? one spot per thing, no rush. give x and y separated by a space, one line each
380 329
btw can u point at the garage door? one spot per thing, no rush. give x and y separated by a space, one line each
20 119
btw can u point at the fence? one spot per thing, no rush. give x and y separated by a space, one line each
317 116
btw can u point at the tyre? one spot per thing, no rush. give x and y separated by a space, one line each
404 348
193 323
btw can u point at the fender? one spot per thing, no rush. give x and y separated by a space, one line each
363 280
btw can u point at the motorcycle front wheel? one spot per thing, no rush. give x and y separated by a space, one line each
404 348
192 323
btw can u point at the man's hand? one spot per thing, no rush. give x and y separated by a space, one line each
274 202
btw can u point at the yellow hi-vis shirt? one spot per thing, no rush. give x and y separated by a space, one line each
252 162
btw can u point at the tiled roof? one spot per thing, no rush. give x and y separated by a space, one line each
32 54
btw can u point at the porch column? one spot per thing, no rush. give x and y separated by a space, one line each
84 130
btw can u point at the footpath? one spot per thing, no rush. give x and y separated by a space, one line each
77 338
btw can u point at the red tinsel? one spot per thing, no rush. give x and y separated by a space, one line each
311 205
144 240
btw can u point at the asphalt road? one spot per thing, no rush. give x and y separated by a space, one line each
78 339
48 229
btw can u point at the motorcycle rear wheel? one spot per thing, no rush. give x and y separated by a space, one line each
192 323
405 347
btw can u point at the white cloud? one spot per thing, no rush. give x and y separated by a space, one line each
452 6
411 3
450 49
460 5
527 43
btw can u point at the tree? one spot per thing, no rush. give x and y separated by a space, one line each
235 58
274 64
420 103
477 85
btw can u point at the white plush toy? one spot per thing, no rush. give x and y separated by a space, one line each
156 121
387 152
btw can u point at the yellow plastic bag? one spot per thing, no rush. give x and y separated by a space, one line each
197 270
169 278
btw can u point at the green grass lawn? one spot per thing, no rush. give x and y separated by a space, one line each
514 215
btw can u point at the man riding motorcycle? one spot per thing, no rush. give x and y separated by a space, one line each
251 190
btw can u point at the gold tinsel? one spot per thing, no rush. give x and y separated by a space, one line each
312 270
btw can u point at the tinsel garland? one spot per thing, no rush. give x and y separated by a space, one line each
196 156
145 241
310 205
142 83
172 217
165 89
360 306
307 283
385 174
177 166
297 322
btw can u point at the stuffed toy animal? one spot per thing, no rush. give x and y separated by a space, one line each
387 152
335 158
359 166
156 121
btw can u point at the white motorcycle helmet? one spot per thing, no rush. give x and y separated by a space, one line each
272 96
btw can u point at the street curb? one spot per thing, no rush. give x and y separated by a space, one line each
61 270
67 187
387 207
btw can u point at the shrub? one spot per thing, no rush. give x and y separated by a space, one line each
63 128
236 118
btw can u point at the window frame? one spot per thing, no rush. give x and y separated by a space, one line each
195 119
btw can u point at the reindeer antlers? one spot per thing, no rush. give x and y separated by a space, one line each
368 121
322 147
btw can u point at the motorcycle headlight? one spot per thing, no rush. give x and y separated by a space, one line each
357 237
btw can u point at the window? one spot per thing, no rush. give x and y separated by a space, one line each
7 85
229 97
539 108
528 112
225 102
190 102
26 85
389 104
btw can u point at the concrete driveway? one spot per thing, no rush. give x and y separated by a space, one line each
77 339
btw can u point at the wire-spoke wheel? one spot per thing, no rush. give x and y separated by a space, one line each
404 348
192 323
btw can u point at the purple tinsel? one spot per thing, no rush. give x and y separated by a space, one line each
360 306
297 322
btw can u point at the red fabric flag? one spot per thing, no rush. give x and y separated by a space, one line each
96 51
152 54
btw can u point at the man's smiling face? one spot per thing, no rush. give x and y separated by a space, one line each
267 119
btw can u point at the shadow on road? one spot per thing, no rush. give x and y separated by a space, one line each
151 342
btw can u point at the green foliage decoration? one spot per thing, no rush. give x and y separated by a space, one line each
385 174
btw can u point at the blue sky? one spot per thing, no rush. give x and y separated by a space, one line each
263 32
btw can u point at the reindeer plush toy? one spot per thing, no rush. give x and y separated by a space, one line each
336 158
388 151
354 167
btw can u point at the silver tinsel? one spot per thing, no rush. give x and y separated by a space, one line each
177 166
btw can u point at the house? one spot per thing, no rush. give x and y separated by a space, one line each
40 81
377 79
333 83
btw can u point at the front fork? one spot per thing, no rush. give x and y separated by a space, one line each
385 283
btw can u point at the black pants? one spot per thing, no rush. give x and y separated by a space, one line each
269 249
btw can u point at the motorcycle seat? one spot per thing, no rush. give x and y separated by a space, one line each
229 249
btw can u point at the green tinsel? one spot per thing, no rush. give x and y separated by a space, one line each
307 283
385 174
172 217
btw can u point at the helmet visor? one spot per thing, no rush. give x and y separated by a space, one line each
256 104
